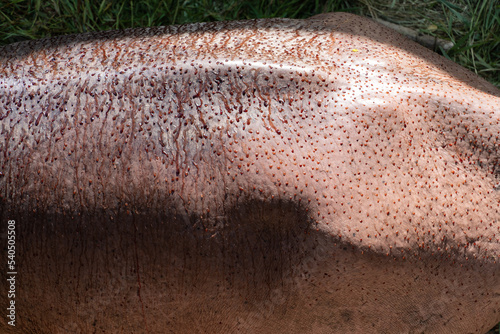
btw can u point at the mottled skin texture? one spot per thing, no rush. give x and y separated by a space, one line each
273 176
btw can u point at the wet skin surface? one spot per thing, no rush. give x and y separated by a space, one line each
272 176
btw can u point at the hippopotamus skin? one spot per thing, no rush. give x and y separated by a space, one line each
270 176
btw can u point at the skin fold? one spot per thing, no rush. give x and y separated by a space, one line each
270 176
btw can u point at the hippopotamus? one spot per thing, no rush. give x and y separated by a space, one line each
324 175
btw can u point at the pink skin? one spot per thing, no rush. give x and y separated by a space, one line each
273 176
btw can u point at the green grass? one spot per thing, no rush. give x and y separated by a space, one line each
37 18
473 25
479 47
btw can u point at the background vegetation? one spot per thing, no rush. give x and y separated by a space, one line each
472 25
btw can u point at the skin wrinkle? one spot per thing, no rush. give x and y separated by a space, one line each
293 176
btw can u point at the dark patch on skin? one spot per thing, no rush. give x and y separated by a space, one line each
256 244
346 316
